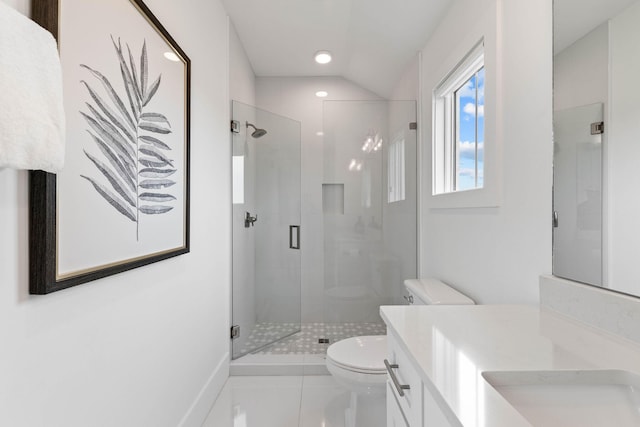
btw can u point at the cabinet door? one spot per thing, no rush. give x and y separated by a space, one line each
406 374
433 415
395 417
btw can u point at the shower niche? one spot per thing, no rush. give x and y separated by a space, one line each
333 199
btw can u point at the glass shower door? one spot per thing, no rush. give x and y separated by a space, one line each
577 194
266 283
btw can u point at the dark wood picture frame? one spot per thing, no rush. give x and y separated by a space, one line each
43 250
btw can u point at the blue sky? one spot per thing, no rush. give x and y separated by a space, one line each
466 112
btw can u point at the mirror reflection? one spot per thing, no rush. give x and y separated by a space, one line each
596 142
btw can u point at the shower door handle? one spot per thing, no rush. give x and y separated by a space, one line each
297 238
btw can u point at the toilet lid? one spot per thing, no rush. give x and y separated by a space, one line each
362 354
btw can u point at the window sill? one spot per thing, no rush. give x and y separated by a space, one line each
475 198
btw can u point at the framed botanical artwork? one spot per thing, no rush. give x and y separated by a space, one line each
122 199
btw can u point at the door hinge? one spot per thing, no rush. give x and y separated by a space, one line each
235 126
235 331
597 128
413 125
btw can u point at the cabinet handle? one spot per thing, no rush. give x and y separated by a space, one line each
400 387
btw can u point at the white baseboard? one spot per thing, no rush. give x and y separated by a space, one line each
197 413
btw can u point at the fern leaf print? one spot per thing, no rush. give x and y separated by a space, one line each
132 162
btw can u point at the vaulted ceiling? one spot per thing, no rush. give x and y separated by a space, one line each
573 19
372 41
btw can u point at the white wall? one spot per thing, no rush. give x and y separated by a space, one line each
139 348
624 151
21 6
581 71
495 255
242 79
407 86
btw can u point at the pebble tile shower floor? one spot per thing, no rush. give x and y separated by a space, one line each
306 341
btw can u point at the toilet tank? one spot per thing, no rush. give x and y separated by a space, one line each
434 292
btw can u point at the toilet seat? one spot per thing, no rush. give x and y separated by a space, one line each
363 354
358 364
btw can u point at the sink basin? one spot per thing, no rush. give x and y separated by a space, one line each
571 398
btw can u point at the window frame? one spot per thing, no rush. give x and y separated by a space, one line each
396 183
445 122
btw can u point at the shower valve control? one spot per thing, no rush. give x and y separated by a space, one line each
249 220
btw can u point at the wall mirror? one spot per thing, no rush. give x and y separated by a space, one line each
597 142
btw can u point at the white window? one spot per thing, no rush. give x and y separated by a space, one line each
458 126
237 171
395 170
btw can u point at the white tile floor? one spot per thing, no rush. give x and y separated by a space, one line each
292 401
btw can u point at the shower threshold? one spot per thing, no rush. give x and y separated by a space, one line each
302 353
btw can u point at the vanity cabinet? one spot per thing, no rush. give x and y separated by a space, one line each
395 416
433 415
459 362
409 401
404 386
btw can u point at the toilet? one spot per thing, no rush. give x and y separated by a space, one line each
358 362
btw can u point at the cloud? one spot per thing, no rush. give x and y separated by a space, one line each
467 150
469 89
470 108
464 174
467 172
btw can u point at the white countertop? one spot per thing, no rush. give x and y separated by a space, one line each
453 345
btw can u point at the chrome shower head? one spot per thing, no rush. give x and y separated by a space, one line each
257 132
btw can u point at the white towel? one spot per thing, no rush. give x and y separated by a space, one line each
31 111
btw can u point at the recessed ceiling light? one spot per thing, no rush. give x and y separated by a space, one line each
322 94
323 57
171 56
320 133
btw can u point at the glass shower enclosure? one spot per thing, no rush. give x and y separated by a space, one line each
266 290
369 204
